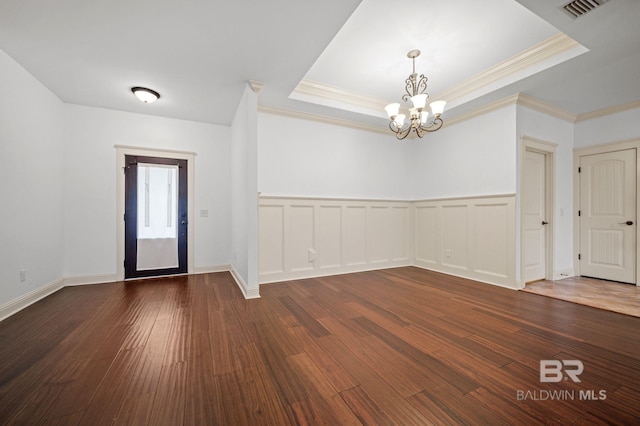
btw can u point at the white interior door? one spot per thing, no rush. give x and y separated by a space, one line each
608 216
534 216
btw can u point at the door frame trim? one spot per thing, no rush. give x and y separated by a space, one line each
603 149
548 149
121 151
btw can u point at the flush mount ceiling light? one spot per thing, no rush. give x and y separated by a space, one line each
420 120
145 95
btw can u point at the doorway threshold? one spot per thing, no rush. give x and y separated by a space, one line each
608 295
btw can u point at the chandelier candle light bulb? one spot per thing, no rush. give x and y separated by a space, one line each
437 107
419 101
392 110
420 120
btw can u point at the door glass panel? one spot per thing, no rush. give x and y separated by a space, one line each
157 216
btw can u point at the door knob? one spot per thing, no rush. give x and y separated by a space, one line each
184 222
544 222
629 222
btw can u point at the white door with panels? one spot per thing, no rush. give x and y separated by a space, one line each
534 216
608 216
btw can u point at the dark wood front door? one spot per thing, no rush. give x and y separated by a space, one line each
155 216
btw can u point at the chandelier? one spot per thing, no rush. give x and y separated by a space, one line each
420 119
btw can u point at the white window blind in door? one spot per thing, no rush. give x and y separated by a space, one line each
157 216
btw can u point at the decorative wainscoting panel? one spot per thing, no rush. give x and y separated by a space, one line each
469 237
305 237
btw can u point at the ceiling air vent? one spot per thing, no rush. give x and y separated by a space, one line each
577 8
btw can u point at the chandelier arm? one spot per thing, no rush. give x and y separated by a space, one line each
399 131
409 87
422 85
436 125
400 135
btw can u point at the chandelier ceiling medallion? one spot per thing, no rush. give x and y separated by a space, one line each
420 119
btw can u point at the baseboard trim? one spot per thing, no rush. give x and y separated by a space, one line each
514 286
317 273
16 305
89 279
110 278
248 293
211 269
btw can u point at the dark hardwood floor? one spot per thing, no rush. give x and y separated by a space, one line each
401 346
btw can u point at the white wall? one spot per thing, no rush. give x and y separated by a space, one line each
331 168
302 158
550 129
618 127
244 194
90 184
31 149
475 157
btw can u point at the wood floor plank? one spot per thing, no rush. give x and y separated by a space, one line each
169 403
76 395
364 408
461 381
440 409
274 349
305 319
334 372
396 407
333 409
70 420
401 346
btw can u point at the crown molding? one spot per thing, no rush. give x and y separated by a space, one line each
545 50
538 105
516 99
321 119
520 99
256 86
608 111
316 89
511 100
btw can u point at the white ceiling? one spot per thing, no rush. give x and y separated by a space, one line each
199 53
457 42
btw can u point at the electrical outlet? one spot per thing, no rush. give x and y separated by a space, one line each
23 275
312 255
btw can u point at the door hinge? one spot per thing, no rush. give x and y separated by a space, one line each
579 256
579 169
579 212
